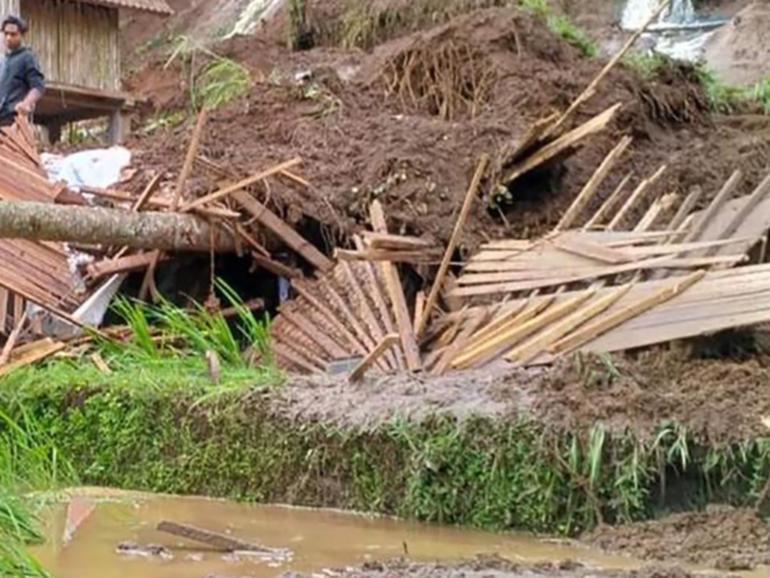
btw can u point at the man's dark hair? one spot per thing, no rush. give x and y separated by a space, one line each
18 21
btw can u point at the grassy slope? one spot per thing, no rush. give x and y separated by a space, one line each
172 435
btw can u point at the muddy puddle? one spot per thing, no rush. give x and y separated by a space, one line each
300 540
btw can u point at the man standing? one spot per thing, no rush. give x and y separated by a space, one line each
21 81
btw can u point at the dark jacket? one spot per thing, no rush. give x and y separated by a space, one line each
19 73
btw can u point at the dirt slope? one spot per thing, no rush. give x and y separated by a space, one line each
368 126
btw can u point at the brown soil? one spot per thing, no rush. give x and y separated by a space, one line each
414 147
740 51
494 567
718 401
721 537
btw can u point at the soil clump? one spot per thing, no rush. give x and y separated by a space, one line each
722 537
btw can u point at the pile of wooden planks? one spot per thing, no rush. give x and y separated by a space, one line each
32 271
618 281
357 309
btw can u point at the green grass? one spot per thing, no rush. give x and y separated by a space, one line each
364 26
216 82
30 461
647 66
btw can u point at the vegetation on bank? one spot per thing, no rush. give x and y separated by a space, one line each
177 437
30 461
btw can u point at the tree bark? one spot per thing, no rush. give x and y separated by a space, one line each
100 226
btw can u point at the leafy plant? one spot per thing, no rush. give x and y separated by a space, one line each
220 81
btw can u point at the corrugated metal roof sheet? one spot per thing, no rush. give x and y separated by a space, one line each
157 6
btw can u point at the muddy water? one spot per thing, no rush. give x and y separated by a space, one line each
307 540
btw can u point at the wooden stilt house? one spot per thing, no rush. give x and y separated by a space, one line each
77 43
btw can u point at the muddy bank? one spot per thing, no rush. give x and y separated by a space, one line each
494 567
716 400
721 537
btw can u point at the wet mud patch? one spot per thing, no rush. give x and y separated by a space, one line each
495 567
722 537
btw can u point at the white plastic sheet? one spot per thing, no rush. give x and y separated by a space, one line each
97 168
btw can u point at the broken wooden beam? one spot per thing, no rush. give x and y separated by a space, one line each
383 346
397 297
107 267
438 282
213 539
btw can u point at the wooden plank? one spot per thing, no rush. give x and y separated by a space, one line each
528 280
460 342
572 243
42 350
521 331
365 310
211 539
759 194
326 343
532 136
601 326
727 190
288 235
107 267
494 343
529 350
571 139
419 309
397 297
446 261
310 295
146 194
395 242
385 343
189 160
376 291
4 296
240 185
658 207
609 205
593 184
590 90
394 256
10 343
295 359
635 197
343 306
687 206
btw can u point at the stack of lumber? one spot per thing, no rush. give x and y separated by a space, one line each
613 283
32 271
357 309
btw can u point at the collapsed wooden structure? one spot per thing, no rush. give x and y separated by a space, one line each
635 270
33 271
615 279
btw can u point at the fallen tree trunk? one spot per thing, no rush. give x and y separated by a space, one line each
100 226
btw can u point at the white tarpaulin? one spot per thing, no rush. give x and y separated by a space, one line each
97 168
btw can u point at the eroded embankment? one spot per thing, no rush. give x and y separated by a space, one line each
559 451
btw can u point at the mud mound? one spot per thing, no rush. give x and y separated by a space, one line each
407 124
740 52
722 537
717 400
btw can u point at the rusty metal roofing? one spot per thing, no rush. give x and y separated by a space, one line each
157 6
